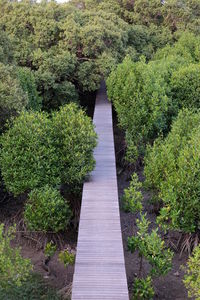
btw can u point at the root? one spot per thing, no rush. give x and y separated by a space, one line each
66 292
45 265
185 243
188 242
172 245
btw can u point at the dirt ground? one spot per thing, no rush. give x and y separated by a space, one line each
169 287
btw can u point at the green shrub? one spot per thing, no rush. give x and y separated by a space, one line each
39 149
185 85
143 289
172 169
139 97
151 247
74 139
14 269
161 158
28 85
50 249
28 156
132 199
147 96
192 276
46 210
67 257
180 191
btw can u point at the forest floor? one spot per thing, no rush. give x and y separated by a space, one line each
169 287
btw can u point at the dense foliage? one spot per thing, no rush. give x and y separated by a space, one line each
69 47
51 56
147 96
6 48
140 99
39 149
28 156
172 168
74 139
46 210
185 86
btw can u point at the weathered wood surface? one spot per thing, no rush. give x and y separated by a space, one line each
100 268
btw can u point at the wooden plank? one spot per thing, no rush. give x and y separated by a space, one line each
100 268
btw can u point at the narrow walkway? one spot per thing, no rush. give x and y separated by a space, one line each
100 268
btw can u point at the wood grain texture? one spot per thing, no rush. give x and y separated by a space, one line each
100 268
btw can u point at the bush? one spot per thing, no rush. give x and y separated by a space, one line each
50 249
46 210
172 169
39 149
147 96
192 276
151 247
28 157
13 268
132 199
74 139
143 289
67 257
185 85
139 97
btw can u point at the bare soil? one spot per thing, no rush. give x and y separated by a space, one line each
169 287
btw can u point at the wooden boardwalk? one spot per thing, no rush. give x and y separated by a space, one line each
100 268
